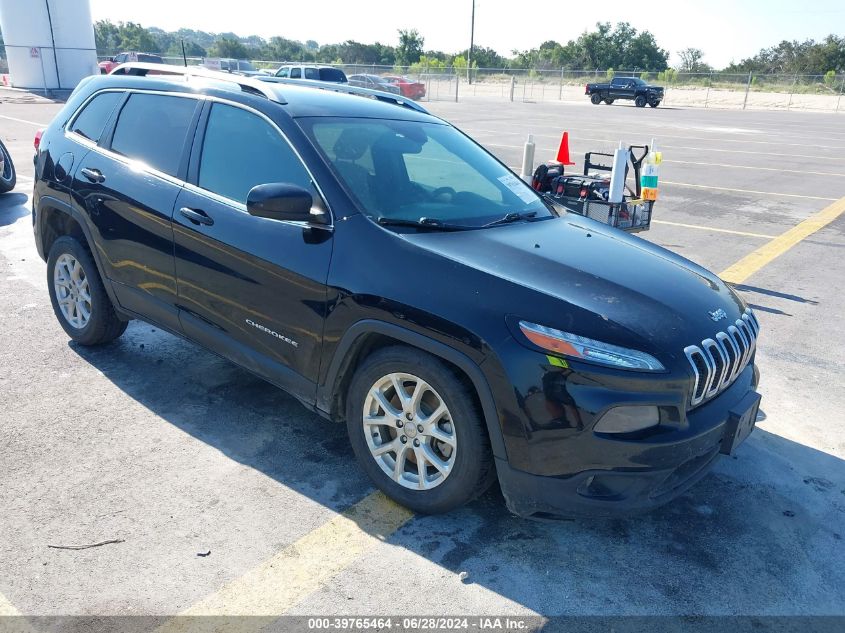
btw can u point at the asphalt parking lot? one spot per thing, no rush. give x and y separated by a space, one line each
175 452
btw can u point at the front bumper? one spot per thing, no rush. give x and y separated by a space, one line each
579 473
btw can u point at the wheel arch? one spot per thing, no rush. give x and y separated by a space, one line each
56 218
366 336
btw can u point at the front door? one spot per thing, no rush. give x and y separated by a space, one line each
249 287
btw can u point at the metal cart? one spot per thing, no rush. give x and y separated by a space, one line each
633 214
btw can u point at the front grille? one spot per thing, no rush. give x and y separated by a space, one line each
717 361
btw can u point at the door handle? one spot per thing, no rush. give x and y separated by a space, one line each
94 175
196 216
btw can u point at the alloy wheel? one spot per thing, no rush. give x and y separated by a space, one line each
70 283
409 431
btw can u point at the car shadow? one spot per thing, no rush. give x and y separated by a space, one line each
12 207
775 293
762 534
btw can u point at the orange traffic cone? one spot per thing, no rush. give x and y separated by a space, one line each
563 151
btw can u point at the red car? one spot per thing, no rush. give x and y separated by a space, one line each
407 87
110 64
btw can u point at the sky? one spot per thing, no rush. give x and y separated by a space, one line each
725 30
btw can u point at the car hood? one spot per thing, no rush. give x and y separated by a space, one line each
618 278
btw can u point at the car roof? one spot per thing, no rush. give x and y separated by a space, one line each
305 99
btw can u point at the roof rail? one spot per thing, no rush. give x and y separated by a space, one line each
247 84
386 97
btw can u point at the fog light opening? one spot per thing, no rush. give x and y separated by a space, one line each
628 419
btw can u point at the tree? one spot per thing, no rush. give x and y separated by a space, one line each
483 57
134 37
621 47
692 61
192 49
807 57
106 37
225 47
410 47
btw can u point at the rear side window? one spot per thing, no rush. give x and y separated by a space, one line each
152 129
332 74
241 150
93 118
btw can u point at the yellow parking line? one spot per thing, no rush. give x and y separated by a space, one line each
762 193
712 228
279 583
755 260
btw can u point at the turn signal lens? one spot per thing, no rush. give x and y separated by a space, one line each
628 419
582 348
37 141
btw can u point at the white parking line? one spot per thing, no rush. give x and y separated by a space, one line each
777 169
615 142
762 193
665 134
11 118
712 228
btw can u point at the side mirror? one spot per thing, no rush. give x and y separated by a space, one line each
280 201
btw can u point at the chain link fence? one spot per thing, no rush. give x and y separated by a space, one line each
702 90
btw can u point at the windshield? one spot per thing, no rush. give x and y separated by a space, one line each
408 170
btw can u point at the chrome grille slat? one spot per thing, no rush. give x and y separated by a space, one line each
716 362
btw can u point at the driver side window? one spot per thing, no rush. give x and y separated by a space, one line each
242 150
296 73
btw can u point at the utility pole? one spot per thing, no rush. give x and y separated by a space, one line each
471 42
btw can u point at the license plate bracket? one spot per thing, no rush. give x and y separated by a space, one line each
741 420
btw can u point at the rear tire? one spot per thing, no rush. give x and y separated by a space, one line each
640 101
79 298
595 98
434 421
8 176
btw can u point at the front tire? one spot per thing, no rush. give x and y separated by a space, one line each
609 101
79 298
417 432
654 104
8 176
595 98
640 101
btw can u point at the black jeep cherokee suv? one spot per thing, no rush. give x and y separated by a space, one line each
383 268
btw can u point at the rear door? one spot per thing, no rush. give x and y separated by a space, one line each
250 288
127 185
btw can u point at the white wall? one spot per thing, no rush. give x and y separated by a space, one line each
26 25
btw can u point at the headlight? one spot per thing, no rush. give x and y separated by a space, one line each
587 349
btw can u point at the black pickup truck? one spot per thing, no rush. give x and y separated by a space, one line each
625 88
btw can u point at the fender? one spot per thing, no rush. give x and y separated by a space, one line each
436 348
61 206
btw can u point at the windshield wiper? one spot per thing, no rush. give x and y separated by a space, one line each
424 223
514 216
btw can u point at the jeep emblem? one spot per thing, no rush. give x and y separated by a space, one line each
718 315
